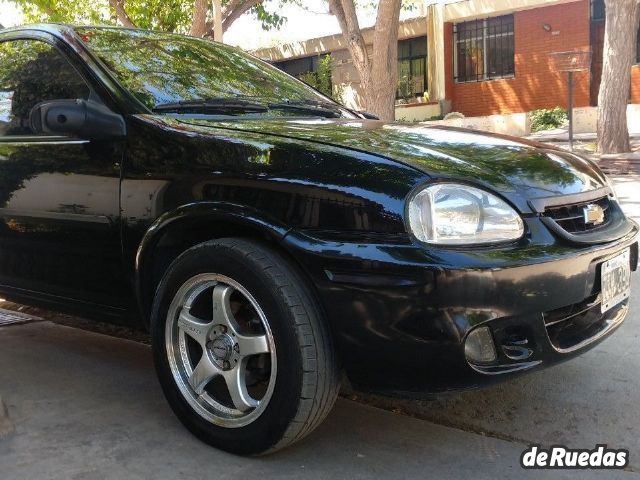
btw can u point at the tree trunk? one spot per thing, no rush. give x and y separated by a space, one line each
121 13
621 27
384 68
379 75
199 18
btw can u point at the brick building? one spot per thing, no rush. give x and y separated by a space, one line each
476 57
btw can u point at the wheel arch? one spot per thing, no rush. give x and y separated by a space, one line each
184 227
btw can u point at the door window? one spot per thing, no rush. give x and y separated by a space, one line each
31 72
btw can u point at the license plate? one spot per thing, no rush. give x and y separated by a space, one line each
615 276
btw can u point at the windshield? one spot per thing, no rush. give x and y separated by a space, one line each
175 73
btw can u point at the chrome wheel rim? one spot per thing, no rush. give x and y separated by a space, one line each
221 350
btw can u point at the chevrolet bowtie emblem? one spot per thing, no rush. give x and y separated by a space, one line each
593 214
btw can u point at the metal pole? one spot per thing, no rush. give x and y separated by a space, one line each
570 110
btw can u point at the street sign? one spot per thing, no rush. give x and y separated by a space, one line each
570 62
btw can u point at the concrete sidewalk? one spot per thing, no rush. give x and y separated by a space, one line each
628 190
561 135
82 405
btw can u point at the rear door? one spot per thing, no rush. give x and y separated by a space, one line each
59 196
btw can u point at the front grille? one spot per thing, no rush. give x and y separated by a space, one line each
571 218
573 325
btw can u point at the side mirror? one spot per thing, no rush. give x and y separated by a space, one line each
369 116
81 118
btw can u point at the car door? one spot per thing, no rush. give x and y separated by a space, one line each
59 196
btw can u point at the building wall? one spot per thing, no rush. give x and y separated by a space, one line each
635 84
345 78
414 27
535 85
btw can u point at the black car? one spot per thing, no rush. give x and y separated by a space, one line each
272 239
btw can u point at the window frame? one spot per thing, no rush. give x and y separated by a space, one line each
55 44
314 61
637 61
410 58
484 37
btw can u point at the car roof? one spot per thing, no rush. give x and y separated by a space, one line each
62 29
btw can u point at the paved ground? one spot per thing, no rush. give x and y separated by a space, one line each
80 405
628 190
583 142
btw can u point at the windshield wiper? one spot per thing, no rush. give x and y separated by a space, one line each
318 108
211 105
230 104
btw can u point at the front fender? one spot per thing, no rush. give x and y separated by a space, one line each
213 219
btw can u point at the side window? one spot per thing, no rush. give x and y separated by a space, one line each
31 72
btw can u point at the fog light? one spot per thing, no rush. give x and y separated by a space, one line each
479 347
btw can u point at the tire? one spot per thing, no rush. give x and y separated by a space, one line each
263 374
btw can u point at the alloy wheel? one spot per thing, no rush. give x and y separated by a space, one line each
221 350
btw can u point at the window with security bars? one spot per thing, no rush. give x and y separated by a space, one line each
484 49
412 67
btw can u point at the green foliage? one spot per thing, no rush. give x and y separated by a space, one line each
321 80
163 15
268 19
546 119
71 11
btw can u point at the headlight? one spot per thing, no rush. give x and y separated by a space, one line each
455 214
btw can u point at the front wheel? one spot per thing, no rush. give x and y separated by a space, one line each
241 350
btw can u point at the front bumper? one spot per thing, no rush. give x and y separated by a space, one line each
400 313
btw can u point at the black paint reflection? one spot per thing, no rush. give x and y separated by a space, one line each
32 72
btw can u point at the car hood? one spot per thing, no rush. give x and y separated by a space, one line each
519 169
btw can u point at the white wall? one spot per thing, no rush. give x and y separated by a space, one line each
417 112
585 119
517 124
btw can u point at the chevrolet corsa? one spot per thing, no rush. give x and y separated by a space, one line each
272 239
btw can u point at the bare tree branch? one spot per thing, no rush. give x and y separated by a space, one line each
230 15
379 74
233 10
121 13
230 6
345 12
